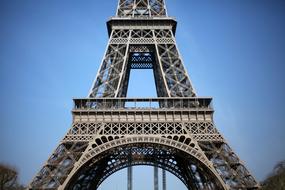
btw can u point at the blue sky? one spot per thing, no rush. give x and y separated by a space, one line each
50 51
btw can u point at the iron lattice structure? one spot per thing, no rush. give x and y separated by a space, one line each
175 131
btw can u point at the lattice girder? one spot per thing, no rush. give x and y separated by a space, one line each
59 165
190 131
228 165
143 154
170 75
109 73
140 142
141 8
175 131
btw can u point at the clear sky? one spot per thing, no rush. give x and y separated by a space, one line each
50 51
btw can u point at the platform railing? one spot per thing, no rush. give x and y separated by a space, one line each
142 103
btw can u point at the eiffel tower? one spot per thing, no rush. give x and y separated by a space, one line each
174 131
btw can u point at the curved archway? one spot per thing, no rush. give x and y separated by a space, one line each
183 161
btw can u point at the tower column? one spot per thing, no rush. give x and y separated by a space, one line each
163 180
155 178
130 178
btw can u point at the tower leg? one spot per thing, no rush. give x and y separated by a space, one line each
155 178
130 178
163 180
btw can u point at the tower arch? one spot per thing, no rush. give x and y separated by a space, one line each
183 161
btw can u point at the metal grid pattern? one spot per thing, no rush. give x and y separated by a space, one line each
141 8
175 132
59 165
170 75
147 142
195 135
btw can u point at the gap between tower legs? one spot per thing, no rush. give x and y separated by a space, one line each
156 187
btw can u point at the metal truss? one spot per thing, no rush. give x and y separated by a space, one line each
107 132
141 8
160 54
59 165
175 132
145 154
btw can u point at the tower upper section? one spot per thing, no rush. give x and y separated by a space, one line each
141 8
